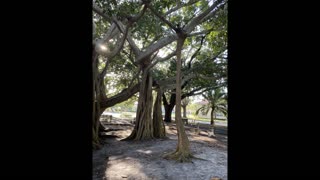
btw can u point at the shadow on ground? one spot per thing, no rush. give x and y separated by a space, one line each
143 159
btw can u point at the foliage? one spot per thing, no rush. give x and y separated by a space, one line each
126 115
217 102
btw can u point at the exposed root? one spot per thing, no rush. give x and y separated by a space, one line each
179 156
199 158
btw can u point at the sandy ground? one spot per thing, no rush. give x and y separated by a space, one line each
143 159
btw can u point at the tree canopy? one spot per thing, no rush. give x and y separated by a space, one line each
178 48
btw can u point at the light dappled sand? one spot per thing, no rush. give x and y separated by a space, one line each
143 159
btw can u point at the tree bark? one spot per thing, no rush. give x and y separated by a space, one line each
168 107
143 129
212 120
120 97
95 106
168 111
158 128
211 116
97 96
182 153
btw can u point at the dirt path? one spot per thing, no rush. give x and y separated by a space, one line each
143 159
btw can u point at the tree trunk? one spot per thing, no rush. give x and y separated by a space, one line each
182 152
97 97
95 108
158 127
101 127
143 129
184 108
211 117
168 111
168 107
102 89
212 121
97 128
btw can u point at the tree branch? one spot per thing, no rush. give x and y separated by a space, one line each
96 9
120 45
219 53
154 47
200 33
161 60
137 17
121 97
135 77
180 6
120 25
194 92
173 37
129 57
195 53
104 71
110 32
153 41
162 18
170 82
195 21
214 12
133 45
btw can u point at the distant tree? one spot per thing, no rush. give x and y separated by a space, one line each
216 103
184 104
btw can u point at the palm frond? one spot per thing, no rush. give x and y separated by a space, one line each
198 110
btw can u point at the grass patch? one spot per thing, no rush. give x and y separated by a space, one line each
127 115
195 117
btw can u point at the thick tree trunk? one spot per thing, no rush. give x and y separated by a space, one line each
167 112
97 97
168 107
144 123
158 126
182 152
95 133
